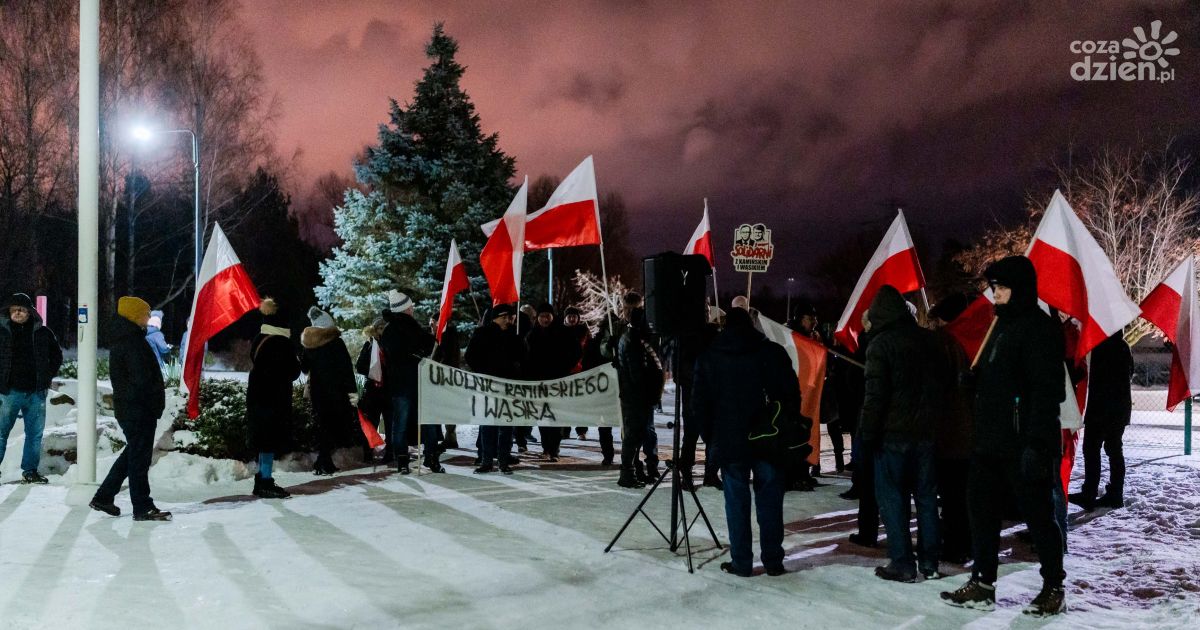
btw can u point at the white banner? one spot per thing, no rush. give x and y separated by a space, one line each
451 395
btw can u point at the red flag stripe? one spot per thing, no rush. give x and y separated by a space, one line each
1161 308
221 301
496 258
569 225
902 271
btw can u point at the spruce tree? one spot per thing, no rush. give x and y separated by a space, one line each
433 176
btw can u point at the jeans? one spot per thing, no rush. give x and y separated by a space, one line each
266 464
31 406
650 442
495 441
403 412
1031 476
1109 438
133 463
904 473
768 504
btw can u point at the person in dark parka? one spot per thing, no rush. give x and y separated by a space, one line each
739 372
551 351
448 352
496 350
640 375
691 346
269 395
953 437
1109 406
405 343
590 357
331 387
29 360
1017 440
139 398
374 401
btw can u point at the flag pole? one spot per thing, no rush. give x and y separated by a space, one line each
716 293
550 282
749 282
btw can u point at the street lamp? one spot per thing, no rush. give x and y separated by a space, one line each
144 134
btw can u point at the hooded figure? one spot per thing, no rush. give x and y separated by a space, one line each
331 386
1017 438
269 395
155 338
29 360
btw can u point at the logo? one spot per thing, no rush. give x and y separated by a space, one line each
1141 59
752 248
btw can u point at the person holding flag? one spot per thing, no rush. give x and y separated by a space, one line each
405 343
331 386
269 395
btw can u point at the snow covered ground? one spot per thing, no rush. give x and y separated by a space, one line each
372 549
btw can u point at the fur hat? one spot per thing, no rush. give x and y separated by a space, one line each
320 319
398 302
272 314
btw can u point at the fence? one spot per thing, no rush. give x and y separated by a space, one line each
1155 432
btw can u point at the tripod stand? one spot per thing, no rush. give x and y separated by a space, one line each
680 526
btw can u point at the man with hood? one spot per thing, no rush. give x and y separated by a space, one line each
734 378
269 395
896 428
551 351
405 343
495 350
331 386
139 398
1017 441
156 339
29 361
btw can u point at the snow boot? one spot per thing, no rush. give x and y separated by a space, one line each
504 469
639 472
1113 497
266 489
33 477
893 573
651 470
1051 601
974 595
431 462
863 541
712 480
629 479
108 507
485 469
1084 499
727 567
153 514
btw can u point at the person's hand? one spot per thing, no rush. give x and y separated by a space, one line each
353 398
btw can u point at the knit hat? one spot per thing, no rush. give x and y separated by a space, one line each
545 307
20 299
398 302
133 308
501 310
155 319
571 310
320 319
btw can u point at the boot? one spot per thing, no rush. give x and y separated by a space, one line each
33 477
839 463
451 440
639 473
153 514
685 480
280 493
1113 497
712 480
974 595
431 462
485 469
108 507
651 470
1084 499
266 489
863 541
629 479
1051 601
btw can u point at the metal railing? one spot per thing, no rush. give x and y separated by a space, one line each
1153 431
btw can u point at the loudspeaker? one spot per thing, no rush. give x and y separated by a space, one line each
674 286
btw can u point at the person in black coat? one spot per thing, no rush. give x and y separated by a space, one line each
29 361
405 343
590 357
1109 406
269 395
739 372
551 351
691 346
640 375
953 438
374 401
897 428
496 350
331 387
448 352
139 398
1017 440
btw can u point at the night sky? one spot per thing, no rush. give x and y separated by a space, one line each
814 117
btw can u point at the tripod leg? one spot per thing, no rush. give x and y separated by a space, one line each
711 531
635 512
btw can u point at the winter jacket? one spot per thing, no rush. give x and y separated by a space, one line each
1019 378
448 351
269 392
899 397
734 378
326 360
848 382
639 370
495 352
138 390
404 344
158 343
955 408
1109 401
47 356
550 352
590 356
690 349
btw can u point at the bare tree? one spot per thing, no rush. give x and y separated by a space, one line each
1134 204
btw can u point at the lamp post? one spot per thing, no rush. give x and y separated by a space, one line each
145 134
788 317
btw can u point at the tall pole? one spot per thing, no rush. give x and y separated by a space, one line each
89 235
550 282
196 209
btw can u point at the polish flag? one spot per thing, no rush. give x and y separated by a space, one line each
701 241
1172 307
1075 276
808 360
456 280
895 263
970 328
570 218
504 251
225 294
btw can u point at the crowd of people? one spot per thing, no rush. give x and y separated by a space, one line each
969 441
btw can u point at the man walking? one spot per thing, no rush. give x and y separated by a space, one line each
139 400
1017 441
29 360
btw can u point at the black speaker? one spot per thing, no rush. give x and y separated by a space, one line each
674 286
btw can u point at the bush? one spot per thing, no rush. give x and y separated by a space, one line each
222 430
70 368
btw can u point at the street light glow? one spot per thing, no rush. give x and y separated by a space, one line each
142 133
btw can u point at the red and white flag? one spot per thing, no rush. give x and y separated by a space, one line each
570 218
808 360
970 328
456 280
504 252
1173 308
701 241
225 293
1076 277
894 262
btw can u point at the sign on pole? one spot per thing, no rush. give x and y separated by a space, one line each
752 251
